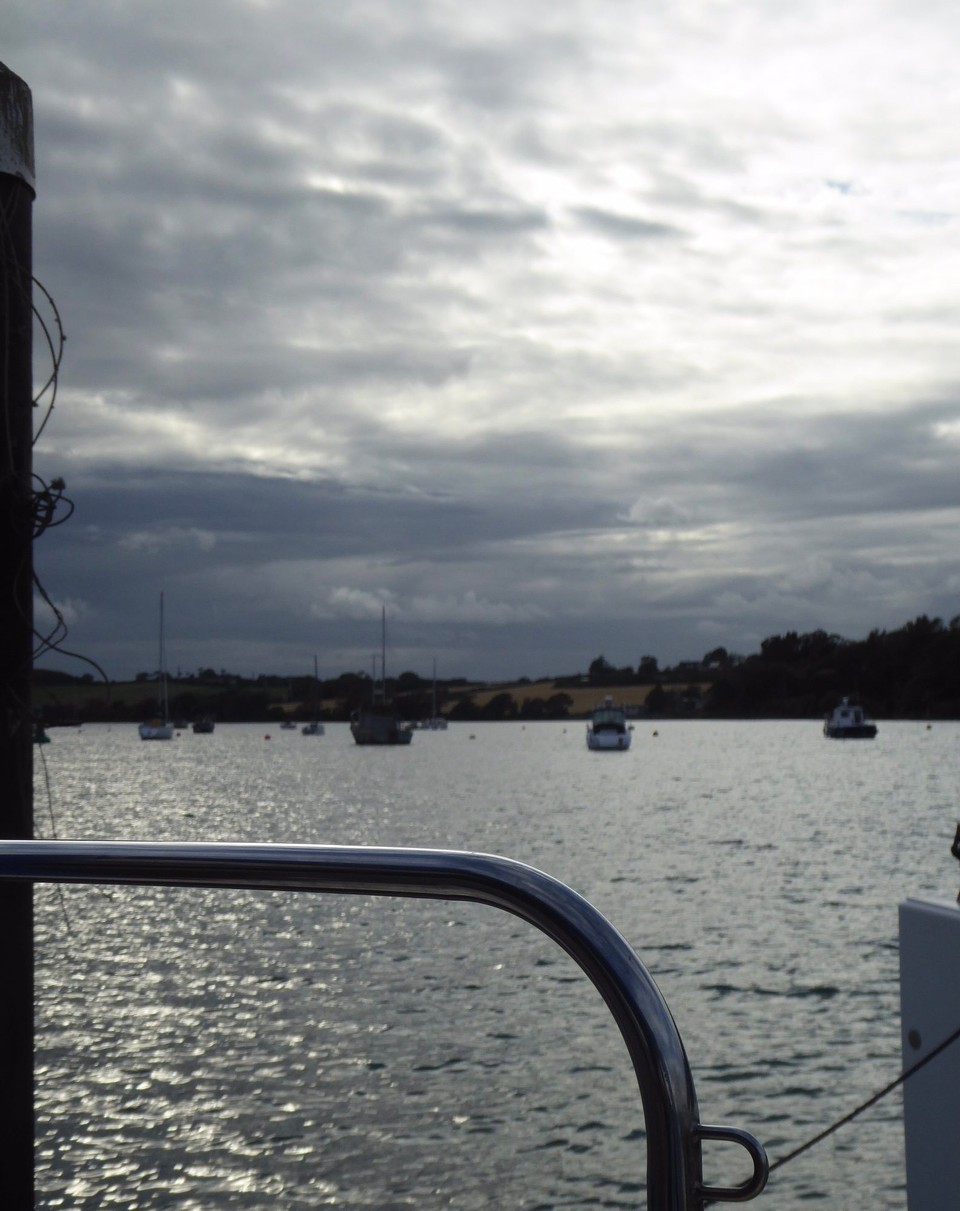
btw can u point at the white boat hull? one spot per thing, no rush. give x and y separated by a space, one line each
866 731
608 741
848 722
607 730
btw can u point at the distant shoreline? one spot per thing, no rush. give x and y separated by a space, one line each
910 673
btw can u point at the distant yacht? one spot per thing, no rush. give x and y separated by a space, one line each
378 723
436 722
160 728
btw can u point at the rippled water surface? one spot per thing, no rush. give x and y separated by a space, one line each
211 1049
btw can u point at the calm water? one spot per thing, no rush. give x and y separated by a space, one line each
209 1049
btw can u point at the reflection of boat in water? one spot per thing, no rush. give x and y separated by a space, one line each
378 722
848 722
203 727
607 730
160 728
312 729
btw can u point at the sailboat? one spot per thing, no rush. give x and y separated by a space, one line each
314 728
160 728
436 722
378 723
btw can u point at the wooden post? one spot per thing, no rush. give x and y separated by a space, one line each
16 635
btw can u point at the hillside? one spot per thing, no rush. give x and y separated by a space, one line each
582 698
60 699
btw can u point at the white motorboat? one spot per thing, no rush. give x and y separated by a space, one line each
848 722
607 730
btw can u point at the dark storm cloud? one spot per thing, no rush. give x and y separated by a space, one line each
203 531
776 461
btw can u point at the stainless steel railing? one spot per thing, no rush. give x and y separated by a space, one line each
674 1131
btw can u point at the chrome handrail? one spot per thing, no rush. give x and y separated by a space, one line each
674 1132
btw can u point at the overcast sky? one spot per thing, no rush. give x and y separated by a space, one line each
559 328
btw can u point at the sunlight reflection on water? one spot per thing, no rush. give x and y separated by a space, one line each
239 1049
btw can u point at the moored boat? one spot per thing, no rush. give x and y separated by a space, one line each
378 723
203 727
160 728
436 722
848 722
156 729
373 725
607 730
315 728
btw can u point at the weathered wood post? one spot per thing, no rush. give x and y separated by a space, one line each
16 635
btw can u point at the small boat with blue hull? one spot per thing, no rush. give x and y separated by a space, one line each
848 722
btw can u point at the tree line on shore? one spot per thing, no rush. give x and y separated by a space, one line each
912 672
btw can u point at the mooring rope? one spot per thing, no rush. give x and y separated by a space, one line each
53 829
871 1101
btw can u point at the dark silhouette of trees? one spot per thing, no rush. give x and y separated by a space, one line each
602 672
912 672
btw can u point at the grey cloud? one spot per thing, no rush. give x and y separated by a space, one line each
625 227
475 222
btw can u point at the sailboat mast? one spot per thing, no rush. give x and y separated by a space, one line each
383 648
164 705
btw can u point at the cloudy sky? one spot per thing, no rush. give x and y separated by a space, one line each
559 328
